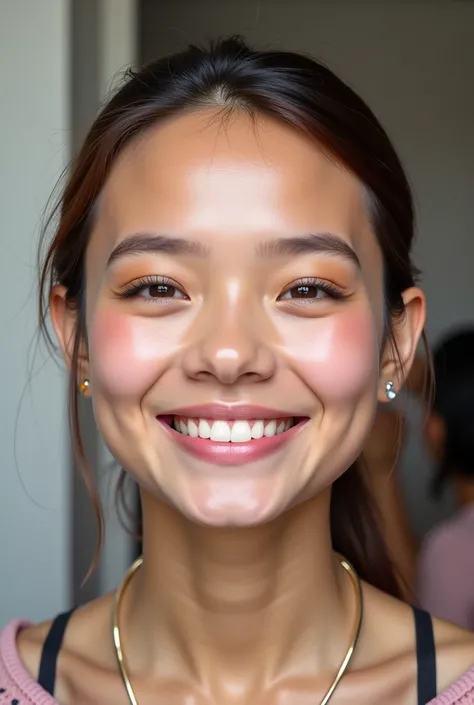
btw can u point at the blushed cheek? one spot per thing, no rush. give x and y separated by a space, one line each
337 357
128 354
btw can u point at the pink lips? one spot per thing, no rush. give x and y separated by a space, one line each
230 453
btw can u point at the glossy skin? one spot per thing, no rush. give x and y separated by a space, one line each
240 599
233 341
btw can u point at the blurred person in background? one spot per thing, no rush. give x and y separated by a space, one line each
445 580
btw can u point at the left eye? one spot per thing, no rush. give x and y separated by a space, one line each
304 291
311 290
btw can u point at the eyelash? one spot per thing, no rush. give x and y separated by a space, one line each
139 285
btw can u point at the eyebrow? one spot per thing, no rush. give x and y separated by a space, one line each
311 243
142 243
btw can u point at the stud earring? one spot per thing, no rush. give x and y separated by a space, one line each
85 386
390 391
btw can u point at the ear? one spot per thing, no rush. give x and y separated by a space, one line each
65 322
397 359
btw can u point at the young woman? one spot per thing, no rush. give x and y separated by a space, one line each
231 285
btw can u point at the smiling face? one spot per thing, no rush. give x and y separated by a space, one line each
234 265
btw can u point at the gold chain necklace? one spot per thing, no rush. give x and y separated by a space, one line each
344 665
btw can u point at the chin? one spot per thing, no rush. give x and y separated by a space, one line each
230 507
226 519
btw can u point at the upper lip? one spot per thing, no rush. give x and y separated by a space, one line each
229 412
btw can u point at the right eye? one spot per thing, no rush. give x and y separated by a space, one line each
153 289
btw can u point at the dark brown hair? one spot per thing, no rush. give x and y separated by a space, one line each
309 98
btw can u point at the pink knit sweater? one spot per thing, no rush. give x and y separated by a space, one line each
17 687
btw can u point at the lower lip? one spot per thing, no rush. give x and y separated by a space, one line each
232 453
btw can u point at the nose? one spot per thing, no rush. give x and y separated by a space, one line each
230 347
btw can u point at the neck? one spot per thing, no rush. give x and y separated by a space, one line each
249 603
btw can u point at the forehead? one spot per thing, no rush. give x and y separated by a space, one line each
208 177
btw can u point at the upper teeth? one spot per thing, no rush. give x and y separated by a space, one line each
230 431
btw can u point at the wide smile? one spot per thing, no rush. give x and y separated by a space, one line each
231 441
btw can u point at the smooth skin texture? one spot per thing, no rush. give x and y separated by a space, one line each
240 599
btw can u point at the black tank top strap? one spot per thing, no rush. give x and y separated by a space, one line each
425 656
51 648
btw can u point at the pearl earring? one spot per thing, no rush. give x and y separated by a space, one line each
390 391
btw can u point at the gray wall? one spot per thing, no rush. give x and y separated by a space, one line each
34 454
414 64
59 59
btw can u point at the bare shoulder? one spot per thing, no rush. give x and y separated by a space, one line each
85 652
454 652
30 642
391 651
